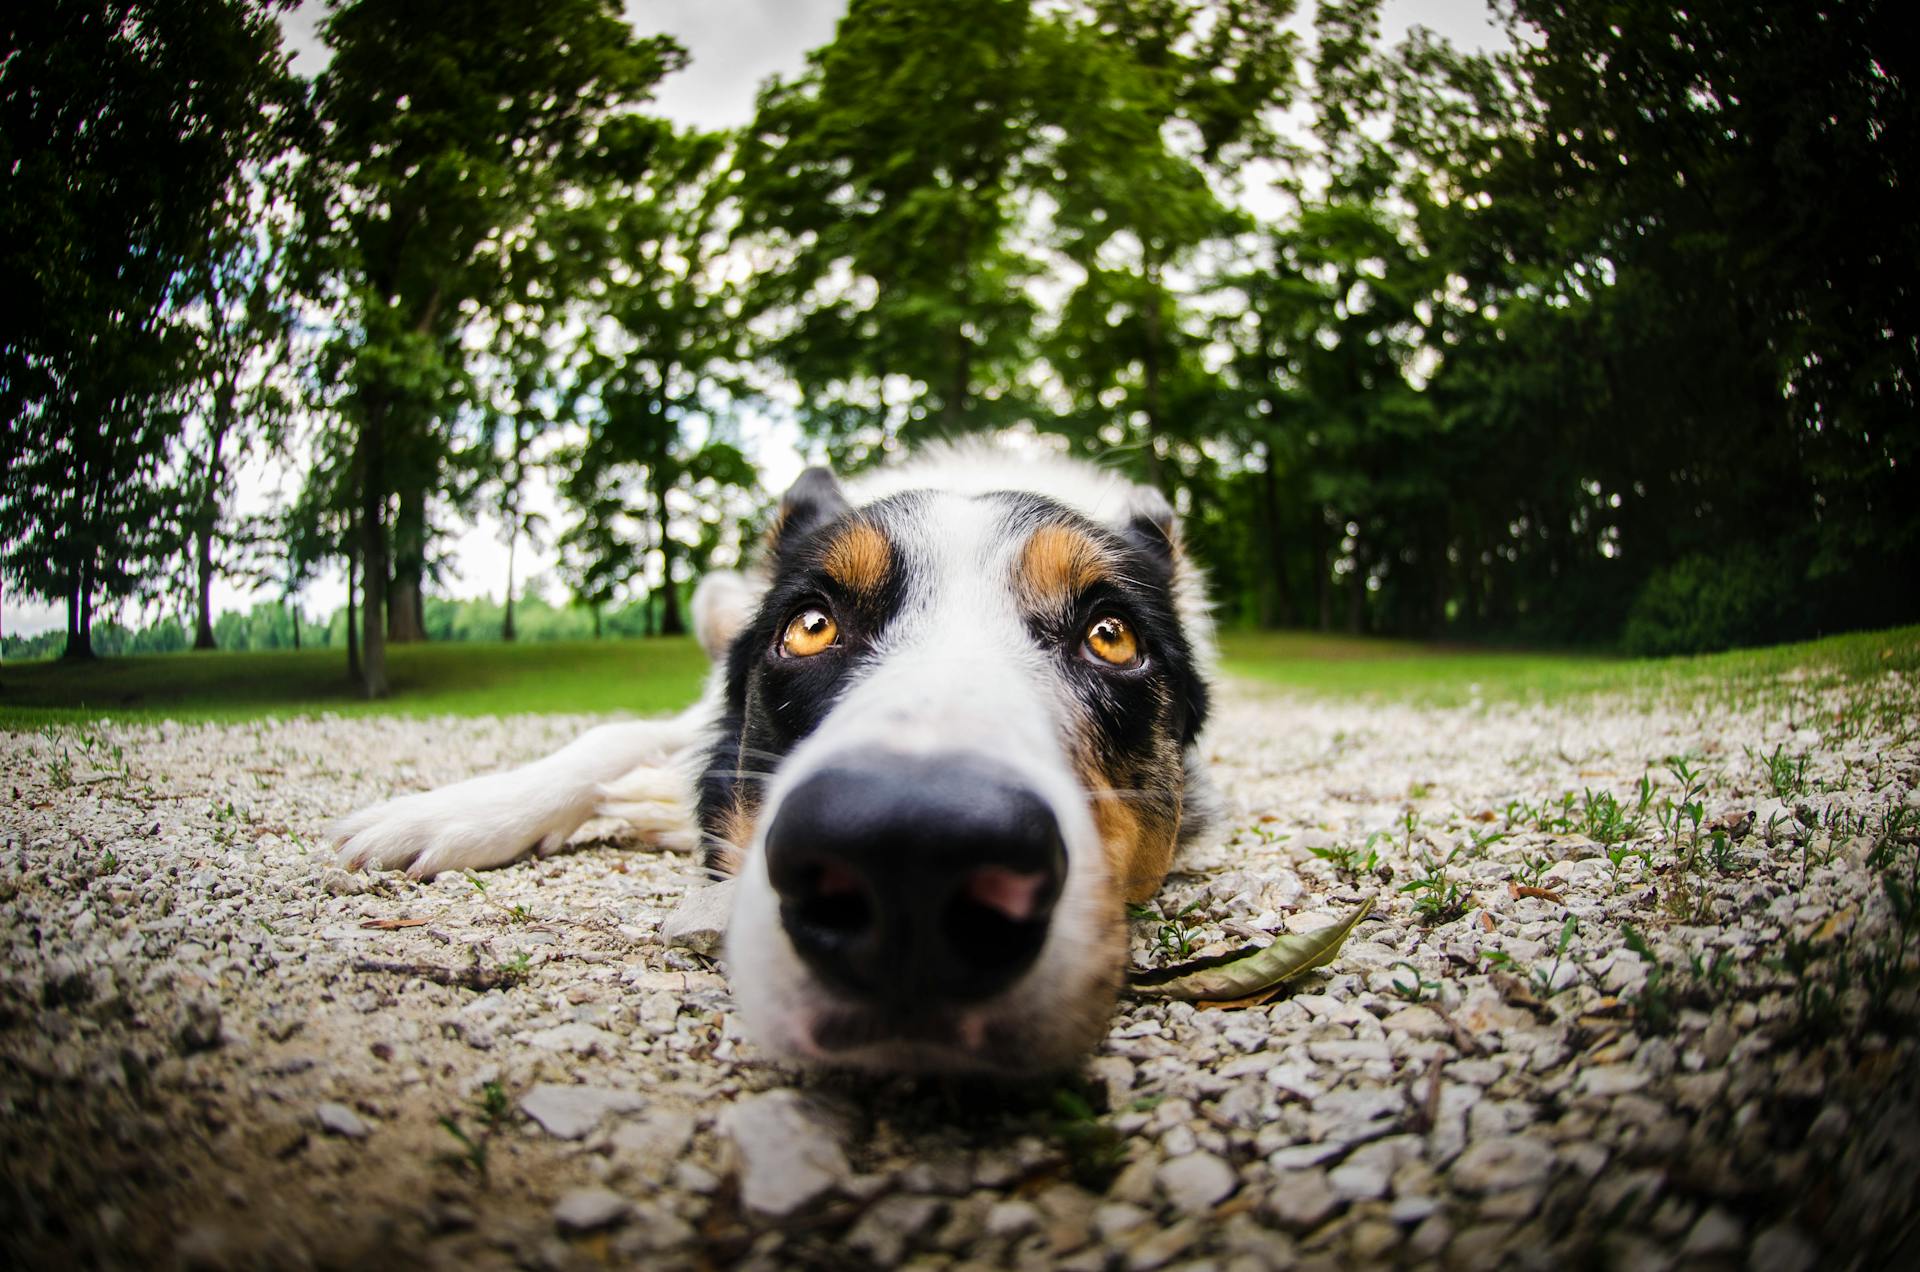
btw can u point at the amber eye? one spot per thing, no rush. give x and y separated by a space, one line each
812 631
1111 641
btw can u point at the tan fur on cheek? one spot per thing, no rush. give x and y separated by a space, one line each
1138 841
1057 565
737 826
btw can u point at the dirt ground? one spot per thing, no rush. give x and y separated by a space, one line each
1582 1025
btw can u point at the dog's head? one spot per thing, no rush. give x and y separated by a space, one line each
960 736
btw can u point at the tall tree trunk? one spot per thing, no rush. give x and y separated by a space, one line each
296 629
671 623
1282 615
203 586
406 603
595 611
1357 594
353 622
1323 571
506 621
373 557
86 609
209 514
78 649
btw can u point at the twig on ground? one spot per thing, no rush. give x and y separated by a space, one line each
476 977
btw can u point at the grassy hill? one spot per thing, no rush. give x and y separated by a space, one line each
648 676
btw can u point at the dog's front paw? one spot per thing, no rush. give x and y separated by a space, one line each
473 825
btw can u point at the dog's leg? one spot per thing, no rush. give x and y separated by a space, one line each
488 821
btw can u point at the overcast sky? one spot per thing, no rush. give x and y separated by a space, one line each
734 45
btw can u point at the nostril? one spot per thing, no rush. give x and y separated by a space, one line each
996 921
834 901
1015 894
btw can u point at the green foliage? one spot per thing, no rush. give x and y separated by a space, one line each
1604 338
1700 604
121 126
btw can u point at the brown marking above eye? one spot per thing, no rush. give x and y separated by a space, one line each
858 558
1058 564
1110 641
809 632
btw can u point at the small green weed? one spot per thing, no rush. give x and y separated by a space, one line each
1346 859
1173 938
1439 897
1416 990
1786 774
1544 978
1658 1001
1094 1151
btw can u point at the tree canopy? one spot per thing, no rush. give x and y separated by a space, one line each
1605 334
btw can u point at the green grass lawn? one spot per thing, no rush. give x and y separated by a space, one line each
649 676
1446 674
642 677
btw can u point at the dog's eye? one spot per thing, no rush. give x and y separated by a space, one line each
812 631
1111 641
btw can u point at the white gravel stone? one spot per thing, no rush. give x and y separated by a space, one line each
338 1119
1782 1248
1196 1182
1300 1200
788 1151
571 1112
1496 1165
1612 1079
699 922
590 1209
1714 1232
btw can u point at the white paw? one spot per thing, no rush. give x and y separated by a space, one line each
472 825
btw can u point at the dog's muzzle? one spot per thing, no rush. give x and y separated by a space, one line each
912 882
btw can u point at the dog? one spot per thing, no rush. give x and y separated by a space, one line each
953 726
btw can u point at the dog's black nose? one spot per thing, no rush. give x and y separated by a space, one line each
909 881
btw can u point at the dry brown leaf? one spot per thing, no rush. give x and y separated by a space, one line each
1518 890
387 925
1234 1004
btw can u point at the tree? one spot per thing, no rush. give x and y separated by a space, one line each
1155 101
1749 180
120 127
661 385
442 152
882 186
240 321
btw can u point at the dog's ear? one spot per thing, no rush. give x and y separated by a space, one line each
1152 526
814 500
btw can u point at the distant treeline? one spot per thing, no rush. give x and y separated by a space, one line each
1609 334
269 625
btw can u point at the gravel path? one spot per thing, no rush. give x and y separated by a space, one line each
215 1051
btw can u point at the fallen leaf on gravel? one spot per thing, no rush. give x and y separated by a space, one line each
1246 973
1486 920
1518 890
387 925
1231 1004
1836 924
